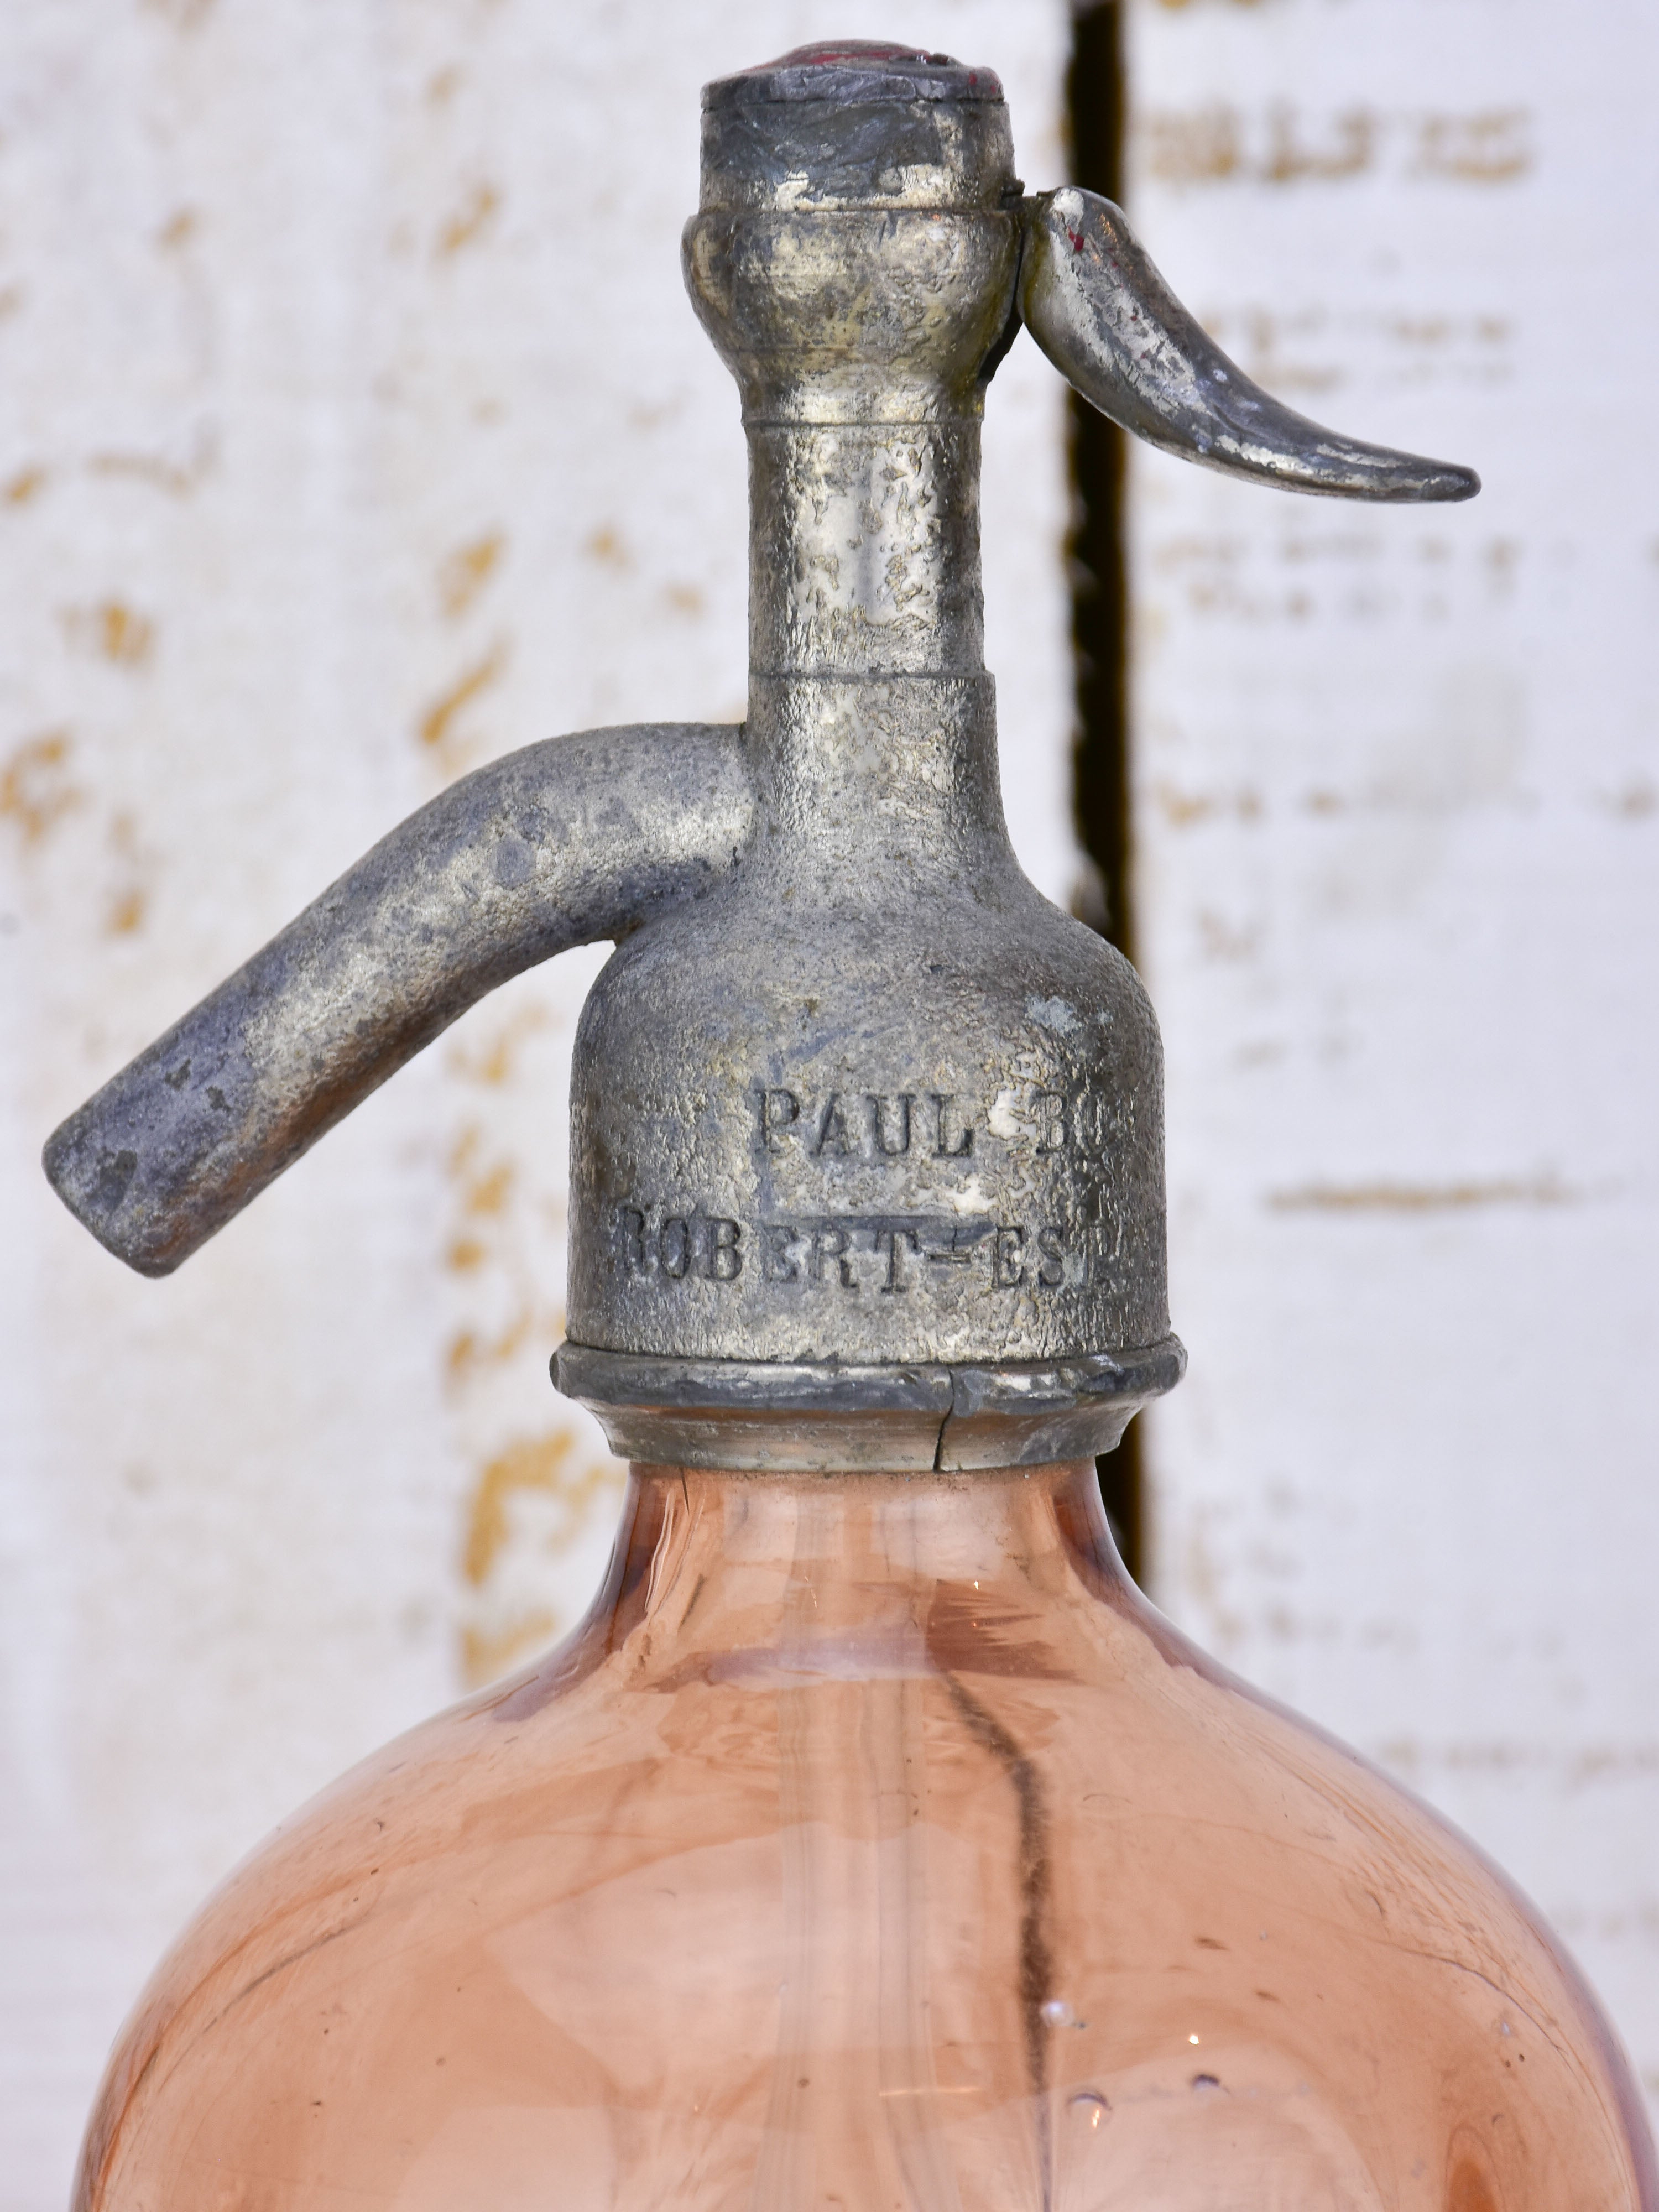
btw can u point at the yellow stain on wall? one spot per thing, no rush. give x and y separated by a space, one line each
179 480
492 1063
471 1352
437 725
1277 145
488 1192
486 1658
1490 147
125 915
35 790
129 900
606 545
461 228
530 1504
484 1191
536 1498
463 574
111 631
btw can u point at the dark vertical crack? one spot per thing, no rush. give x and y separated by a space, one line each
1100 629
1036 1960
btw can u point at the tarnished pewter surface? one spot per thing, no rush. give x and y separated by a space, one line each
917 1120
576 839
855 72
789 1416
856 123
882 526
867 1160
853 315
918 1113
1094 302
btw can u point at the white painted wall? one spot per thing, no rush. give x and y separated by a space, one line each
1398 814
354 429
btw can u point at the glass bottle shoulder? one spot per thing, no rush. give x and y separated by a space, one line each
818 1865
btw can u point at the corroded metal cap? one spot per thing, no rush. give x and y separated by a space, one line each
857 124
867 1136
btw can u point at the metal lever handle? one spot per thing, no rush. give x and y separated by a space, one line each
1095 303
562 843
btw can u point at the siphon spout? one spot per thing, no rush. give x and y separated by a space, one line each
562 843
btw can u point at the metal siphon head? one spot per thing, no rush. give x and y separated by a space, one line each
867 1136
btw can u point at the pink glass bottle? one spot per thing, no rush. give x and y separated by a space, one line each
873 1846
873 1843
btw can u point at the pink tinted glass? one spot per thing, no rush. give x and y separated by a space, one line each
874 1847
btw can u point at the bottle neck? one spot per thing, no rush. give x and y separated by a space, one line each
871 719
861 337
766 1578
864 549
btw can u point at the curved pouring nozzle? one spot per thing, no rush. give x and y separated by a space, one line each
1095 303
563 843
